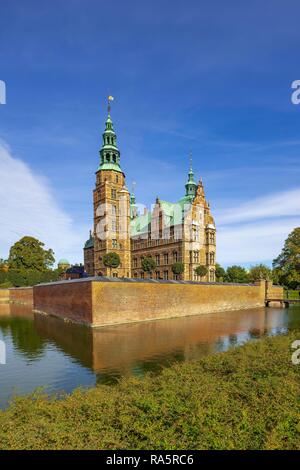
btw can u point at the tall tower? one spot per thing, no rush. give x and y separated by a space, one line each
111 208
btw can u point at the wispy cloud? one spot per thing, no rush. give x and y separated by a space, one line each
281 204
28 207
255 231
253 243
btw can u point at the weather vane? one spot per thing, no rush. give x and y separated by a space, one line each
109 99
191 159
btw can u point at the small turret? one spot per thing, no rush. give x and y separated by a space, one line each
191 186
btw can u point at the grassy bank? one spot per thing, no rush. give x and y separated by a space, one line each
247 398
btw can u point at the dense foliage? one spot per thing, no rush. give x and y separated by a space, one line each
237 274
178 267
201 270
29 277
29 253
148 264
287 265
246 398
220 273
28 264
111 260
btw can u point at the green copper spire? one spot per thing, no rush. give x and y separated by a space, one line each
109 153
133 207
191 186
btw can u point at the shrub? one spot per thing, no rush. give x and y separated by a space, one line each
177 268
148 264
201 270
111 260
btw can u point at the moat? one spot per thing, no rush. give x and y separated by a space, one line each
45 352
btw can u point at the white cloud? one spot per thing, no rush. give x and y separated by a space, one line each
29 208
286 203
255 231
253 243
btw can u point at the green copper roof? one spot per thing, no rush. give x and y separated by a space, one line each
110 166
132 198
191 186
140 224
63 261
109 153
173 213
90 242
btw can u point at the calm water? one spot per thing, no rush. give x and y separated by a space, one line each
44 351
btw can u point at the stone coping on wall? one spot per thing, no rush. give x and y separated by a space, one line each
18 288
142 281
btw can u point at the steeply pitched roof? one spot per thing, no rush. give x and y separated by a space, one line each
173 213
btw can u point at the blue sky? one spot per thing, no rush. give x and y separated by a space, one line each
211 77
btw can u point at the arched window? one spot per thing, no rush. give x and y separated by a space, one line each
114 158
107 157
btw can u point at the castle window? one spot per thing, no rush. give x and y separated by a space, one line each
107 157
113 193
157 260
166 258
211 258
113 210
195 233
175 256
135 261
135 275
114 158
157 274
115 274
196 256
166 275
114 243
211 275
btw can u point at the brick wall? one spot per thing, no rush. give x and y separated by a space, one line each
67 299
105 302
22 295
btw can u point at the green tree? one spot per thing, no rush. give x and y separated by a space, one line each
29 253
111 260
260 271
220 273
286 266
177 268
237 274
201 270
148 264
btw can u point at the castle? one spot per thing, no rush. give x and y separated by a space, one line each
178 237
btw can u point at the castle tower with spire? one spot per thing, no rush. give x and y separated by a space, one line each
180 237
111 208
